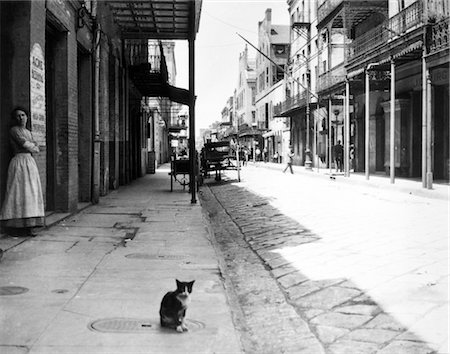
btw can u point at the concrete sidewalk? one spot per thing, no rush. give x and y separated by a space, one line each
93 283
377 182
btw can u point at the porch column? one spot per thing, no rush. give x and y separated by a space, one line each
192 151
330 146
367 122
347 129
424 120
429 134
392 126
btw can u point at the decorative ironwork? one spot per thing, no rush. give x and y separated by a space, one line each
379 75
396 26
331 78
439 36
297 101
406 19
327 7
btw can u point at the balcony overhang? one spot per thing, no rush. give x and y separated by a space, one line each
157 19
152 84
354 12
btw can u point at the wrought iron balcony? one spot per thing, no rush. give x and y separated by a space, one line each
406 19
327 7
398 25
439 36
291 103
331 78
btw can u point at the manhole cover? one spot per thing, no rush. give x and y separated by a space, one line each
12 290
134 325
155 256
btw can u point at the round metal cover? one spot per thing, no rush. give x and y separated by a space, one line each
134 325
121 325
155 256
12 290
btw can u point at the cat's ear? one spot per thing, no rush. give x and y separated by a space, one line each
189 285
178 282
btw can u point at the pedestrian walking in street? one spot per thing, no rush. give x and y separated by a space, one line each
246 152
23 206
290 157
339 156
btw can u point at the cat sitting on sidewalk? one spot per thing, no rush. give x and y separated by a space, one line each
174 305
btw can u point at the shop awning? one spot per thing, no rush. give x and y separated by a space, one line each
157 19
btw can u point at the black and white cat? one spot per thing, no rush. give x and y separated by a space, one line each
174 305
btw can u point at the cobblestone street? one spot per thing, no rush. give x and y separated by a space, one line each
315 266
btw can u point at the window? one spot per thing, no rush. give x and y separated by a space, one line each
324 66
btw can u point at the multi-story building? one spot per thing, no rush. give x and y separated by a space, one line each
271 60
401 111
227 127
165 112
246 91
378 71
244 99
338 22
82 69
300 106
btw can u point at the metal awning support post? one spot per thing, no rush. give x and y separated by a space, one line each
367 121
192 151
424 119
347 129
429 134
392 125
330 146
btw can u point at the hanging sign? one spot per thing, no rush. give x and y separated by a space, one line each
37 94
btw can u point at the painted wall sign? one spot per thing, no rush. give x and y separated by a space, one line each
439 76
37 94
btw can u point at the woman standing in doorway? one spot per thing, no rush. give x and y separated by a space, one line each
23 207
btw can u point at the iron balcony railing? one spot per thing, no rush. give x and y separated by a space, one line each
327 7
137 54
331 78
297 101
439 36
396 26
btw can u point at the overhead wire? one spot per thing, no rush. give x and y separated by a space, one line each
308 90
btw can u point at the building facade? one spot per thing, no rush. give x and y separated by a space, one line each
83 74
404 64
373 75
271 63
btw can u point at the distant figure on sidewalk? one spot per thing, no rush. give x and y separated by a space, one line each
290 157
258 154
275 157
23 207
264 155
339 156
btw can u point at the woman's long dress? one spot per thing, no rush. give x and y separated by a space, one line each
23 205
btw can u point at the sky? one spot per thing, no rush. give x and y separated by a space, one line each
217 49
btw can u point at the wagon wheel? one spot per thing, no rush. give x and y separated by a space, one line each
184 181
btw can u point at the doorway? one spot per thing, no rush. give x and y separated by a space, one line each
51 41
84 125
